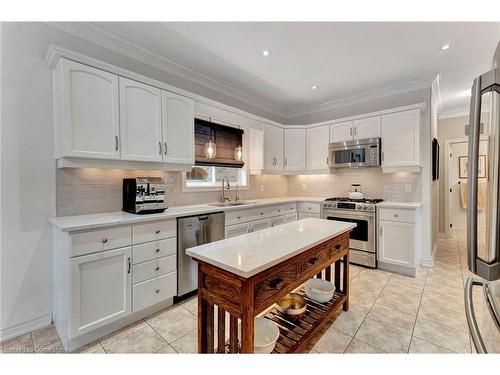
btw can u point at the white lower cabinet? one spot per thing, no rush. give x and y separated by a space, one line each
398 240
100 289
306 210
151 292
235 230
304 215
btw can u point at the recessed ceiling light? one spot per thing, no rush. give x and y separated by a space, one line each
265 52
314 87
446 46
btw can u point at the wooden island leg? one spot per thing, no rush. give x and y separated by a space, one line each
345 281
205 326
247 318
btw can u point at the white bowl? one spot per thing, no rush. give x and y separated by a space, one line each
266 333
319 290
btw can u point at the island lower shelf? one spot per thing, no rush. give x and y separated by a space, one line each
225 297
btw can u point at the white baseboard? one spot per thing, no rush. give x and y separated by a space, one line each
429 262
21 329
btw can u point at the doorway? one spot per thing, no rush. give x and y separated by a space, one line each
456 151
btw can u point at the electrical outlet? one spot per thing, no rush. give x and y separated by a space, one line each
261 187
407 188
303 187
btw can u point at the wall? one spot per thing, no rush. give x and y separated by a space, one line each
374 184
90 190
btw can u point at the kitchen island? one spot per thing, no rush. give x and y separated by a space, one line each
246 275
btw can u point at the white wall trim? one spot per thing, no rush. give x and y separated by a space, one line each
21 329
429 262
459 112
408 86
105 39
94 34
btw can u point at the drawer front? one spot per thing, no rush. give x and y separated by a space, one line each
309 208
154 231
259 225
154 250
93 241
283 209
151 292
236 230
154 268
244 216
291 217
314 259
304 215
397 214
274 284
278 220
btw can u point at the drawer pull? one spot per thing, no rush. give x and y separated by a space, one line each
157 268
158 250
338 246
129 265
157 291
395 215
238 217
157 231
275 282
308 208
262 213
104 240
313 260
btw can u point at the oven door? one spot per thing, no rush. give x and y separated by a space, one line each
363 236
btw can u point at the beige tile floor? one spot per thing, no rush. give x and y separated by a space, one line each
389 313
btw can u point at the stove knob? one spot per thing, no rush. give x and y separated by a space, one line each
365 207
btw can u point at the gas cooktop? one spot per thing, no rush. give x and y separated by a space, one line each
345 199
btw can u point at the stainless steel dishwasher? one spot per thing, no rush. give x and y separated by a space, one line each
193 231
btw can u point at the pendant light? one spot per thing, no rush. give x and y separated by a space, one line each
210 146
238 153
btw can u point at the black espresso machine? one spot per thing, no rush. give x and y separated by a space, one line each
144 195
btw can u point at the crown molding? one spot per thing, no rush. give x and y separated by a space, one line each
102 38
110 41
458 112
401 88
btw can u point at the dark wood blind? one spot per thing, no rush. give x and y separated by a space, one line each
226 140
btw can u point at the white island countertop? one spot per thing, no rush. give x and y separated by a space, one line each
251 253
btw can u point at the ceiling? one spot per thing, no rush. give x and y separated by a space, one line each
344 60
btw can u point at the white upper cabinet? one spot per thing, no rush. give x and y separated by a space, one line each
317 148
367 128
273 148
86 111
295 150
178 129
401 140
140 121
341 132
256 150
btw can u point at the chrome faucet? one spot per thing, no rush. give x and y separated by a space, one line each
225 187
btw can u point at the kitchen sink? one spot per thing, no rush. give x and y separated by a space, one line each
230 204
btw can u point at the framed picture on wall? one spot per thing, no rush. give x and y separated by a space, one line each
463 166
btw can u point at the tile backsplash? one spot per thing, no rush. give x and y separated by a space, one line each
91 190
374 184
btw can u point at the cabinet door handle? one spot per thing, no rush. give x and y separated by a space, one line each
157 291
116 143
158 250
285 161
382 156
381 231
157 268
157 231
128 261
159 148
275 282
104 240
356 130
350 131
166 148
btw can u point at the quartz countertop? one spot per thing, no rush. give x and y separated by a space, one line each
392 204
251 253
82 222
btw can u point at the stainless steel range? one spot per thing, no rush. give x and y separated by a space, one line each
362 240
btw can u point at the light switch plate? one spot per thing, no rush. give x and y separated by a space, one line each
407 188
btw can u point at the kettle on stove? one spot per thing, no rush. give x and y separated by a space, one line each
355 192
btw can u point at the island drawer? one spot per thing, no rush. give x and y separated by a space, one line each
93 241
151 292
397 214
154 268
154 250
283 209
275 283
243 216
156 230
314 259
309 207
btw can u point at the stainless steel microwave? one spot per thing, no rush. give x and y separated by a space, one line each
355 154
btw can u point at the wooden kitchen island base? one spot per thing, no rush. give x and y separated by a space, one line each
245 298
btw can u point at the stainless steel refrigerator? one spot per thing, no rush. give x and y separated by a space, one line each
482 308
